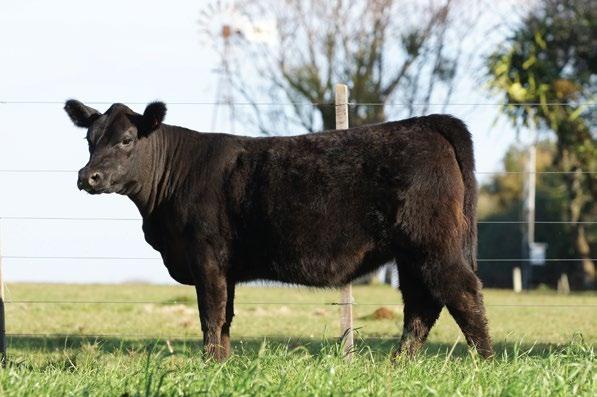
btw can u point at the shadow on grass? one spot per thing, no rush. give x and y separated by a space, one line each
378 347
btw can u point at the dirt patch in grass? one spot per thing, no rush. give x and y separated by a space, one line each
382 313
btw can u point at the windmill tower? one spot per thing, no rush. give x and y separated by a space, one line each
224 88
216 22
222 22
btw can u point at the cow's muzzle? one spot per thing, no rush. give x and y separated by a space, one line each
90 180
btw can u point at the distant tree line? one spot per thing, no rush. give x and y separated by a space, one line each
501 199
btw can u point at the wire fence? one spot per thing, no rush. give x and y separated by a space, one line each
272 303
8 102
190 337
151 258
194 335
66 218
300 103
51 171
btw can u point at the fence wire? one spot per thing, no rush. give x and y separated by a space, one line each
276 303
183 338
66 218
58 171
194 337
154 258
301 103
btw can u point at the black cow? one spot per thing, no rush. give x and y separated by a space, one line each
319 210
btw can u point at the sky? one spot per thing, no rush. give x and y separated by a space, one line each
113 51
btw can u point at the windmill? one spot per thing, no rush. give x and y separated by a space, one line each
221 22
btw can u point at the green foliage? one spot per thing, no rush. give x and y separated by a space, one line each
501 199
547 74
549 60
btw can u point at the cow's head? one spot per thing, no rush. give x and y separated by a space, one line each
114 138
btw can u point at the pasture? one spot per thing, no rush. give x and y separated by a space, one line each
147 342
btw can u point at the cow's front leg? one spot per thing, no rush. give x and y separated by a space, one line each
211 288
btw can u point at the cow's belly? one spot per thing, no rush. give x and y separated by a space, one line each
317 267
342 268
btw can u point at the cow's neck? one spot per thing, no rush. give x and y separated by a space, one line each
160 175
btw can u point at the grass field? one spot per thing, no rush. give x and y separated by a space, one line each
285 343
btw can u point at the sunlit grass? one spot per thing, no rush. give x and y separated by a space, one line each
287 348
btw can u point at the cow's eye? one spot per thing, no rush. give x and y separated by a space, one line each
126 141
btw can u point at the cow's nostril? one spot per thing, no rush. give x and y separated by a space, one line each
94 178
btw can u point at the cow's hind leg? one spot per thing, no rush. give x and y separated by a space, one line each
464 300
421 310
454 284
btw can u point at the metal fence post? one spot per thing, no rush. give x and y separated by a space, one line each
346 324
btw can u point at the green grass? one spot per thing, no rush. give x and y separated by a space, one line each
287 348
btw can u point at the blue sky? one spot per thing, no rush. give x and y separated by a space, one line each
113 51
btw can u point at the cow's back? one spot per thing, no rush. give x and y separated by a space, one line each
323 208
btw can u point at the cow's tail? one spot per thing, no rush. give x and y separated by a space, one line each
456 132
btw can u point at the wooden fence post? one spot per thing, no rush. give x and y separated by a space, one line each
517 279
563 284
2 318
346 301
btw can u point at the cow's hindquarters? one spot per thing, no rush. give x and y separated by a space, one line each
433 249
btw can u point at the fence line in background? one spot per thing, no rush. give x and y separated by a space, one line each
187 337
66 218
302 103
69 335
167 303
153 258
61 218
51 171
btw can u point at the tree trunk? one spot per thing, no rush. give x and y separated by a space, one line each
587 268
583 271
328 116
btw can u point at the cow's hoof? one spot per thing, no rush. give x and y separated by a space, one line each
216 353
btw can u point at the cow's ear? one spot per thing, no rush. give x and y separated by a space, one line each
82 115
153 116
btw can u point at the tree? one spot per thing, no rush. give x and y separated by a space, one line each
385 50
501 199
546 72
